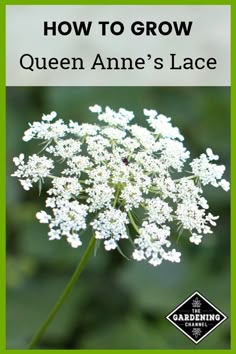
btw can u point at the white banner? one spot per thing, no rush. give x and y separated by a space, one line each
118 45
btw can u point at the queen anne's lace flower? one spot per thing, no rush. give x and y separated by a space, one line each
111 227
206 171
158 211
152 244
36 169
114 174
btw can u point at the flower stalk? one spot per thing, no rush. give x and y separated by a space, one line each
133 222
67 290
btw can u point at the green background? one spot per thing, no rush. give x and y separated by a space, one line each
117 304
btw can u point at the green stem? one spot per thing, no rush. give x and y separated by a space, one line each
188 177
64 294
116 198
154 190
133 222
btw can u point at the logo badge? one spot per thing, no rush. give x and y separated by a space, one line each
196 317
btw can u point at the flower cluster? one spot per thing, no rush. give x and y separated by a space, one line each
113 171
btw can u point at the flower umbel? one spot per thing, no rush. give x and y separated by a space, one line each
115 170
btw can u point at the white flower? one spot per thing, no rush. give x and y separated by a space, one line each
210 155
150 113
173 155
114 133
120 118
130 144
82 130
74 240
152 244
45 130
110 225
132 196
49 117
211 219
165 187
110 244
95 109
99 175
54 234
115 176
37 168
19 160
148 163
195 238
225 185
172 256
187 189
145 138
207 172
97 148
138 255
189 192
26 184
162 126
43 217
29 134
158 211
100 196
194 218
76 165
69 218
65 149
68 187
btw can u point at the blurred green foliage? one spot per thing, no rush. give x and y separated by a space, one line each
117 304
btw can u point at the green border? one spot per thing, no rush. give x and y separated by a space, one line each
117 2
3 181
3 3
